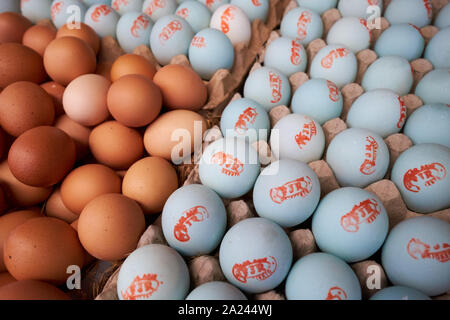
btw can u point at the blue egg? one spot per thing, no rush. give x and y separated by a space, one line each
360 8
36 10
399 293
434 87
429 124
317 6
422 176
389 72
350 223
171 35
358 157
351 32
286 192
64 11
245 118
302 24
416 255
103 19
438 49
133 30
443 18
194 220
196 13
335 63
286 55
322 276
107 2
404 40
212 5
318 98
255 255
157 9
254 9
124 6
269 87
210 50
417 12
9 6
229 166
216 290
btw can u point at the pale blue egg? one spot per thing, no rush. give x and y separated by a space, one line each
399 293
434 87
302 24
10 6
335 63
286 192
286 55
351 32
438 49
107 2
389 72
429 124
229 166
318 98
322 276
124 6
153 272
196 13
416 253
35 10
443 18
269 87
64 11
403 40
254 9
361 8
381 111
133 30
422 176
157 9
171 35
358 157
317 6
245 118
103 19
297 137
212 5
350 223
255 255
216 290
209 51
417 12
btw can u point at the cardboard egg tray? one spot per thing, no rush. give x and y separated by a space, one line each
224 87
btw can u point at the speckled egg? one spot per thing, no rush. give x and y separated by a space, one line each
302 24
351 32
417 12
103 19
157 9
286 55
404 40
254 9
133 30
35 10
399 293
317 6
62 11
443 18
195 13
438 49
360 8
435 87
123 7
216 290
233 22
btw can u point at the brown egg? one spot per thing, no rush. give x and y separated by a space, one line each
6 278
20 63
115 145
41 156
31 290
158 136
13 26
56 91
150 181
8 223
85 33
55 208
110 226
181 87
78 133
3 142
38 37
132 64
87 257
86 183
134 100
3 203
25 105
67 58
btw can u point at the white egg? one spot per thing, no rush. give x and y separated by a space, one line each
232 21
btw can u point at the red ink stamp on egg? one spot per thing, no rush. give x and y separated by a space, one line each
102 10
302 24
305 135
256 3
230 166
183 12
402 119
275 84
225 19
328 60
368 166
142 287
420 250
427 174
169 30
116 4
295 53
336 293
429 8
153 6
56 8
333 91
292 189
198 41
364 23
247 117
259 269
141 23
194 214
366 211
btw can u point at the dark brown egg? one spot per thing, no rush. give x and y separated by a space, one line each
31 290
13 26
38 37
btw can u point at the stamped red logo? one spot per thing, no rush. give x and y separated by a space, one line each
209 3
305 135
256 3
140 23
368 166
333 91
198 41
247 117
336 293
225 19
142 287
426 175
101 10
230 166
292 189
402 119
169 30
259 269
296 48
415 27
275 84
302 24
56 8
366 211
22 2
153 6
364 23
328 60
194 214
373 2
183 12
116 4
420 250
429 8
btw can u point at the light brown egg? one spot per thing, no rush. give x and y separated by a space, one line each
78 133
132 64
85 33
116 145
56 91
67 58
158 139
41 156
13 26
110 226
25 105
134 100
6 278
86 183
54 207
31 290
181 87
38 37
150 181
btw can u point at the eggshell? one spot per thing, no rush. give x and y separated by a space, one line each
301 24
360 8
434 87
64 11
417 12
56 91
438 49
351 32
188 92
132 64
12 27
42 249
286 55
36 10
41 156
123 7
84 32
399 293
78 133
317 6
216 290
150 181
134 100
54 207
31 290
160 268
87 182
133 30
195 13
443 17
258 9
157 9
233 22
6 278
103 19
212 5
115 145
38 37
3 202
175 135
10 5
